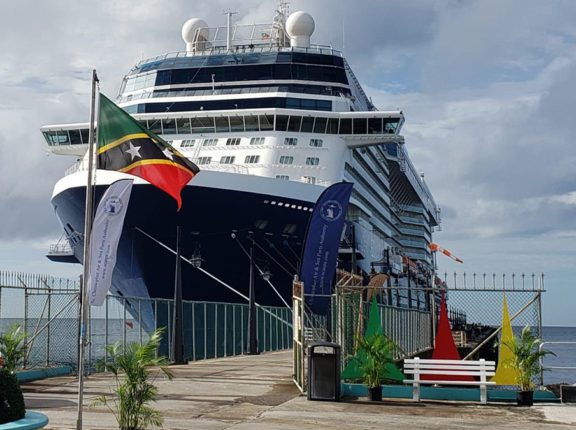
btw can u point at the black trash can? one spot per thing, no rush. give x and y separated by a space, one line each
324 371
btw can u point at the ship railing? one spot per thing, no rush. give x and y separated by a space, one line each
215 166
60 249
216 50
416 181
79 166
552 368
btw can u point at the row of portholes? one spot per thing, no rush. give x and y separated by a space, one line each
288 205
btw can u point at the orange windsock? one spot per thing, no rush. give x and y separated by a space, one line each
435 247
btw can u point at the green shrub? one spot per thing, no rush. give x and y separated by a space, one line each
13 346
11 399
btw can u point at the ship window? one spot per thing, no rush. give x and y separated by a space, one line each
281 122
50 137
204 160
283 177
202 125
209 142
359 125
309 104
307 124
169 126
312 161
188 143
309 179
316 143
155 126
292 103
324 105
332 126
222 125
143 123
345 126
320 125
374 125
294 123
286 159
257 141
183 125
62 137
237 123
227 159
233 141
251 122
390 125
85 135
75 138
266 122
290 141
251 159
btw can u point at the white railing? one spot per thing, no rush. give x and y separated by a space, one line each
79 166
211 50
572 368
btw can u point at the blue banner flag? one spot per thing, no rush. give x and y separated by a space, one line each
321 245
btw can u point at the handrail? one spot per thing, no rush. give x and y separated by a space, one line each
553 367
212 50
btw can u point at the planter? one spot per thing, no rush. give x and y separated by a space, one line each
375 394
32 420
525 398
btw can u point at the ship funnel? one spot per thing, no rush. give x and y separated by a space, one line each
195 33
300 26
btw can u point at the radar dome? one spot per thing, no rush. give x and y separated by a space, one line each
300 26
194 31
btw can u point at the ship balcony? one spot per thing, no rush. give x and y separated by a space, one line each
62 253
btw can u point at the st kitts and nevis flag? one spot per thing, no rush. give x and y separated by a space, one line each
125 146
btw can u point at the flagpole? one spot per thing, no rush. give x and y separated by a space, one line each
86 259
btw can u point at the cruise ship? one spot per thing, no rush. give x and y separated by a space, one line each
271 120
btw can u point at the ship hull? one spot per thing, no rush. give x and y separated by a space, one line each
219 225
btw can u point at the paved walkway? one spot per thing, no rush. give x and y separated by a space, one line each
256 392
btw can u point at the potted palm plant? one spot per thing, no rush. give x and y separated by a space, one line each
378 351
134 370
13 347
525 361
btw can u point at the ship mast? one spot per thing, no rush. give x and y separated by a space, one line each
279 24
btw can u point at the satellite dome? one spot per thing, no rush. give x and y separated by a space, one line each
191 35
300 26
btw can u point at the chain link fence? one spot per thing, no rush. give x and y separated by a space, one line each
48 310
409 328
474 304
478 301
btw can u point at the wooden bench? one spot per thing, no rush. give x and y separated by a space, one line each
476 368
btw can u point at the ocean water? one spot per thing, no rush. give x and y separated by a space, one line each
64 344
565 354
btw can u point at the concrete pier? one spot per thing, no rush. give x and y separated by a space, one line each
256 392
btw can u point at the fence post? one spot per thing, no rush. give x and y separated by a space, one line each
540 334
24 362
106 320
48 328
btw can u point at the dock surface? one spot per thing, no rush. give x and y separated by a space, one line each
256 392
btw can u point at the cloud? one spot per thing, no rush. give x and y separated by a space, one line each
487 87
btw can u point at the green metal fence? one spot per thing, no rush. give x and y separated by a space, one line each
48 309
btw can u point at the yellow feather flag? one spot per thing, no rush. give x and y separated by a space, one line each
504 374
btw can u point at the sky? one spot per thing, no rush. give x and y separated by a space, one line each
487 88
